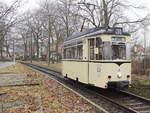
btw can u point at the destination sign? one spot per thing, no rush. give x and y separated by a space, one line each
122 39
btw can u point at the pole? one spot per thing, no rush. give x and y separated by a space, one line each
144 41
31 47
49 27
14 51
144 50
49 51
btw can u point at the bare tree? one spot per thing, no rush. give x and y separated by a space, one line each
8 19
110 13
68 14
59 34
48 10
54 21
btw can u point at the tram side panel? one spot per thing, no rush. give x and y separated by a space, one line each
76 70
99 72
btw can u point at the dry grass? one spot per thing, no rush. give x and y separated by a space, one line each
18 69
140 86
56 66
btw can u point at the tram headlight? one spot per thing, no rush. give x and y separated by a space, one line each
119 75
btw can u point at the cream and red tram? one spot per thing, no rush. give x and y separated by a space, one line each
99 57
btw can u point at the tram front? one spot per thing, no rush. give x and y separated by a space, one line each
110 64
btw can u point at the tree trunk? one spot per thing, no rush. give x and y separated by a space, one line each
7 50
1 51
106 20
49 50
25 52
37 48
57 52
49 41
53 46
1 48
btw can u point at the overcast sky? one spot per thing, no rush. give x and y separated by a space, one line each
31 4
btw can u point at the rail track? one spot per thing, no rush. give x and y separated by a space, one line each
117 101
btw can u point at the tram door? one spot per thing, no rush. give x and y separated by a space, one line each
95 54
91 46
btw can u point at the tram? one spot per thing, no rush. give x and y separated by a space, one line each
98 57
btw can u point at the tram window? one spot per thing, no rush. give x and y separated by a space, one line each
113 51
64 53
98 42
99 45
74 52
91 49
128 51
80 52
119 51
107 51
68 53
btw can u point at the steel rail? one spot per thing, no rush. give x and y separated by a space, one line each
136 96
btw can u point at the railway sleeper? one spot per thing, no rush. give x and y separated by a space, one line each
142 107
131 100
134 104
145 111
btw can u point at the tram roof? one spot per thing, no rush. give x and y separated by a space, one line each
98 31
